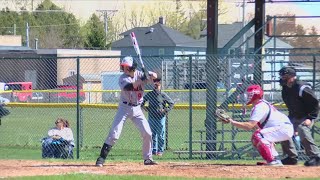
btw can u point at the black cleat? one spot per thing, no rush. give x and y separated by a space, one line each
100 162
150 162
289 161
315 161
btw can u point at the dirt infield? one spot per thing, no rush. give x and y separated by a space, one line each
13 168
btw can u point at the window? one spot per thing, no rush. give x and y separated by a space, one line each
72 72
161 51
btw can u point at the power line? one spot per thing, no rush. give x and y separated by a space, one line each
55 25
9 27
52 25
36 11
105 13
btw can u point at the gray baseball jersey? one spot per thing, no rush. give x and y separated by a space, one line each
129 107
135 96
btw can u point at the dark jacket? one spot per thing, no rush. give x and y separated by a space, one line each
158 101
300 100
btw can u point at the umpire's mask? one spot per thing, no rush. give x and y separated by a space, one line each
285 74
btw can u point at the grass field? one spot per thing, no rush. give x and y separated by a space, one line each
25 127
21 132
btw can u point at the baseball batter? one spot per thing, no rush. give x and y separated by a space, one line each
132 84
272 125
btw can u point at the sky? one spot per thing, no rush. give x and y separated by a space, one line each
308 9
311 8
294 8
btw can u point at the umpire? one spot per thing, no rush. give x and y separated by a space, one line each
303 107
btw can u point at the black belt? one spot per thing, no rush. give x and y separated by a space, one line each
130 104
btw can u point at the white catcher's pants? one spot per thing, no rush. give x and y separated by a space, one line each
275 134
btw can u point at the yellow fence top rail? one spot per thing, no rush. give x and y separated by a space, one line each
115 106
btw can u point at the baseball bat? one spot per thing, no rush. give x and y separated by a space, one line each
137 49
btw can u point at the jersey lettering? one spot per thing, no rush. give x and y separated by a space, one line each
138 88
139 96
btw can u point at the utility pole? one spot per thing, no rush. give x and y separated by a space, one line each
244 48
14 29
27 34
106 13
31 5
242 13
212 76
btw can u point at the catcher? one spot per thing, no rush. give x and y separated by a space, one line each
271 125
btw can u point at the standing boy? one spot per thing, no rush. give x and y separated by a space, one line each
159 106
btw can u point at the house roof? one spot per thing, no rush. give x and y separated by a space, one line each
91 77
16 51
161 35
155 36
14 48
227 31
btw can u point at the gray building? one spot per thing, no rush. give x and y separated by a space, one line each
228 31
158 40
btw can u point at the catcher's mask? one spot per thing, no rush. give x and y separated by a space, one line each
128 62
285 74
254 92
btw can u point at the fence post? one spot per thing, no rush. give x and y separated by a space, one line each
78 107
190 107
81 128
314 72
314 85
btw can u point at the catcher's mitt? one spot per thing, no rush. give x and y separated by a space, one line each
222 116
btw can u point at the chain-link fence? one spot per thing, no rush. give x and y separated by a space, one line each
85 91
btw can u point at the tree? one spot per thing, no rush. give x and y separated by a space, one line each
72 36
7 20
114 30
194 28
298 41
189 20
178 19
296 35
314 42
95 35
61 25
53 29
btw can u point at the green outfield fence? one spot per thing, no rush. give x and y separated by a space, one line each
85 91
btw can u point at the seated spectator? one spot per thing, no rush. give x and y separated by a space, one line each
60 142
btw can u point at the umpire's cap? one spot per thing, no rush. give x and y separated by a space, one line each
287 70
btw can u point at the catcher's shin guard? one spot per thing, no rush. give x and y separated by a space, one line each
103 154
263 146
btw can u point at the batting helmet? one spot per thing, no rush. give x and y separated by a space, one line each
129 62
254 92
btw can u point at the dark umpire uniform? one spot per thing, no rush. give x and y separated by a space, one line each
303 107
